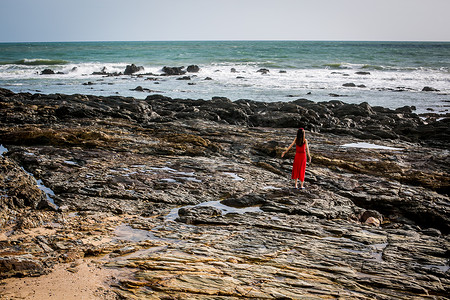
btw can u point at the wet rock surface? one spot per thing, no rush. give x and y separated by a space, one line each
193 198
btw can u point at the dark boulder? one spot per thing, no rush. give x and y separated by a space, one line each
263 71
47 72
130 69
173 71
362 73
138 89
193 69
429 89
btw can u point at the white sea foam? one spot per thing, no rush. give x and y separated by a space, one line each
377 88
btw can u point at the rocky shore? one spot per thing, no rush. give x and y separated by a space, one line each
190 199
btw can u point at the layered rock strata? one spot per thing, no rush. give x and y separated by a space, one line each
193 198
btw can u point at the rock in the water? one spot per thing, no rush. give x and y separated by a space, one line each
131 69
173 70
263 71
429 89
193 69
47 72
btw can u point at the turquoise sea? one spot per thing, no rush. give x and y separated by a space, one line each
394 73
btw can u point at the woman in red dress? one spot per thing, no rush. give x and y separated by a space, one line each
302 149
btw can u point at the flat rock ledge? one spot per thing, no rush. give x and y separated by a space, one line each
190 199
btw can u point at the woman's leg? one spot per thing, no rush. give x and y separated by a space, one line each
296 184
301 184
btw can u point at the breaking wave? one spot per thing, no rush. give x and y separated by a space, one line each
35 62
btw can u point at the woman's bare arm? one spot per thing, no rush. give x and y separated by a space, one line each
289 148
307 150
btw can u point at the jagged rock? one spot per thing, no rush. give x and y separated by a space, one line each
19 187
173 70
131 69
47 72
20 265
138 176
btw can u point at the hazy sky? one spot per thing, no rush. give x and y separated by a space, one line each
149 20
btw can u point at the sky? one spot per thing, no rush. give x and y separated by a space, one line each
166 20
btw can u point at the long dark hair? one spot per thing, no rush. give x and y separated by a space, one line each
300 140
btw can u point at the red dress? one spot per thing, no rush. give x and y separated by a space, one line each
299 167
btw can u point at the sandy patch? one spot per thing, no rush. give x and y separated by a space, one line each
82 280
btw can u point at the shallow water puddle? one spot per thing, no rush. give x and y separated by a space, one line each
271 187
71 162
2 150
363 145
234 176
443 268
128 233
173 215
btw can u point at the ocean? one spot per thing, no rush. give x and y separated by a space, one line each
388 74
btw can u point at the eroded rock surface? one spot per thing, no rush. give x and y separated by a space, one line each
193 198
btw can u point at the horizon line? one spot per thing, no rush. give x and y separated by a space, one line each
227 40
